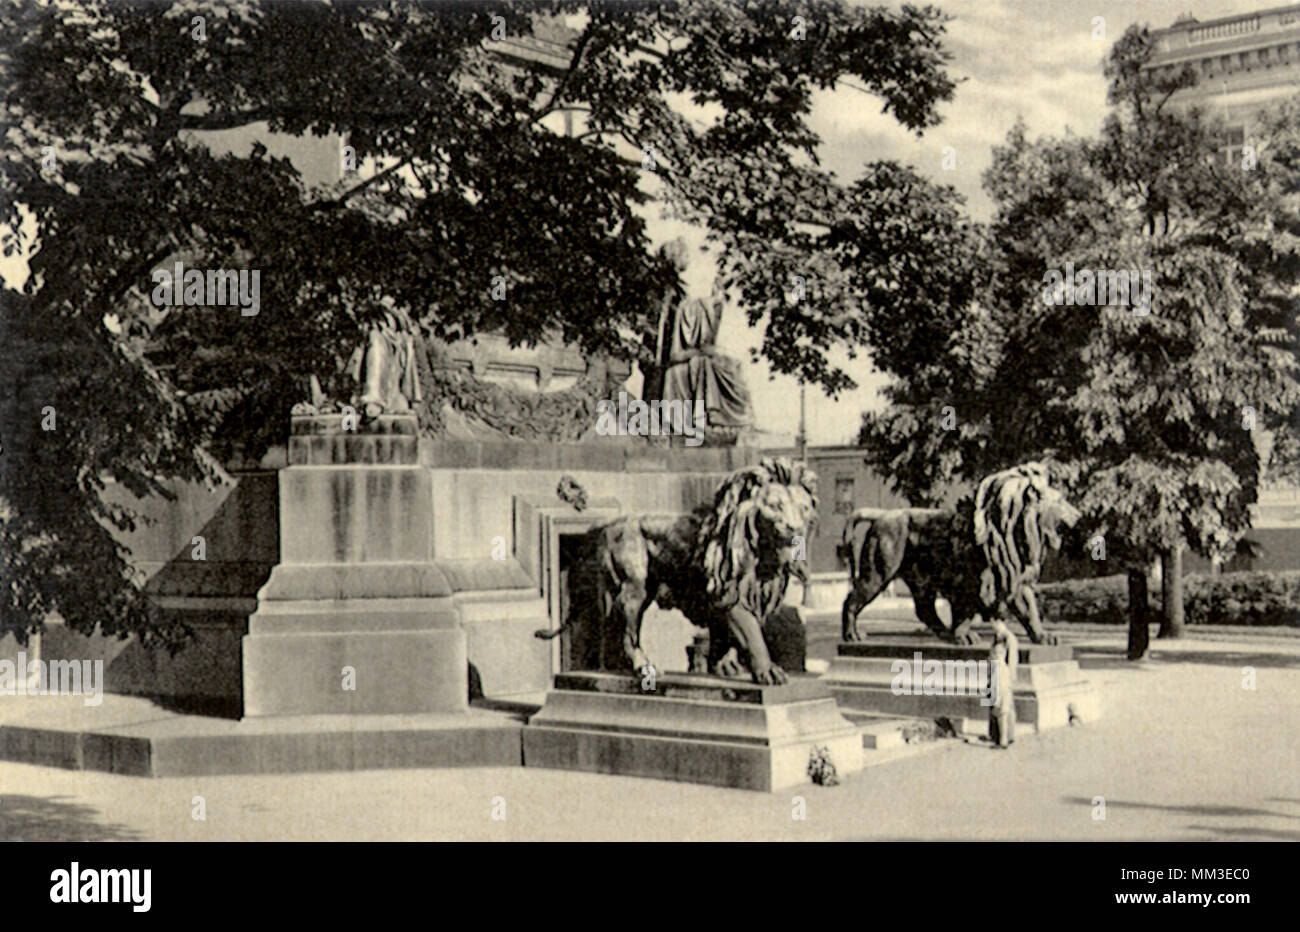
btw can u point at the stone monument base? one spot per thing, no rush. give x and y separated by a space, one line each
865 680
357 618
405 655
692 728
134 736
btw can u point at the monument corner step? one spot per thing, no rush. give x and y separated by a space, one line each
904 647
696 686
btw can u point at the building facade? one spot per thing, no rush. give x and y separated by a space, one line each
1244 65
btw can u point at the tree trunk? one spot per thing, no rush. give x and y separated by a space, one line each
1138 636
1171 592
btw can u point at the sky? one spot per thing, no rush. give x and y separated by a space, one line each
1035 59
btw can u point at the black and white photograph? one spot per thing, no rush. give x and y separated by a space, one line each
687 421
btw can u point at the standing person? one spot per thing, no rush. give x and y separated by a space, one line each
1003 657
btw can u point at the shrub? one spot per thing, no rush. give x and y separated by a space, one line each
1103 600
1250 598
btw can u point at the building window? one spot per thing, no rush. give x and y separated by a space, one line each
843 495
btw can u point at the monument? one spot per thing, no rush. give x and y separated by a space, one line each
744 723
983 556
410 567
357 617
687 366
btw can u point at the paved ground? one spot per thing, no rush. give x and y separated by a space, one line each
1184 752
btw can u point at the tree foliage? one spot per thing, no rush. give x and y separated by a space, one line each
1150 419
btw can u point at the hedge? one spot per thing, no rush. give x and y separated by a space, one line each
1247 598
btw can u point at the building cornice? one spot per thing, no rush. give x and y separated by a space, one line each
1244 34
1193 25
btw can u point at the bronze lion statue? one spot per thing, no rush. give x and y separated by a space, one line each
726 566
983 556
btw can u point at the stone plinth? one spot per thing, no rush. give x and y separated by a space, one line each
321 440
691 728
356 618
865 680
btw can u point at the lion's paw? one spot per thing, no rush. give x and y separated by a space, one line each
967 637
1050 638
772 676
850 634
729 665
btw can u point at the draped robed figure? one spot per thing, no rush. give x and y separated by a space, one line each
384 367
688 366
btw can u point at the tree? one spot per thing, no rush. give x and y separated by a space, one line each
111 108
1149 414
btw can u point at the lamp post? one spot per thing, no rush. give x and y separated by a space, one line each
803 429
803 455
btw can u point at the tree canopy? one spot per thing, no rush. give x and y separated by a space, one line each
109 109
1150 415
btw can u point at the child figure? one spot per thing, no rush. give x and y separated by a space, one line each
1003 657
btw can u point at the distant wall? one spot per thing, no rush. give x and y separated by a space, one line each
1279 550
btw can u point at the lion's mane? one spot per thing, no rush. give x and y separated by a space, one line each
739 564
1007 528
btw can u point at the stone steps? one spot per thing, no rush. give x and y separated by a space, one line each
135 737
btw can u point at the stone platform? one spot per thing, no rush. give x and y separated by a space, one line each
691 728
133 736
864 680
356 618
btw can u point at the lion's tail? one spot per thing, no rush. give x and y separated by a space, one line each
844 549
857 523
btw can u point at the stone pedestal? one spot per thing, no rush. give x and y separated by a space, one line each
865 681
691 728
356 600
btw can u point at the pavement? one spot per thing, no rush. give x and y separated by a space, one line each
1196 743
